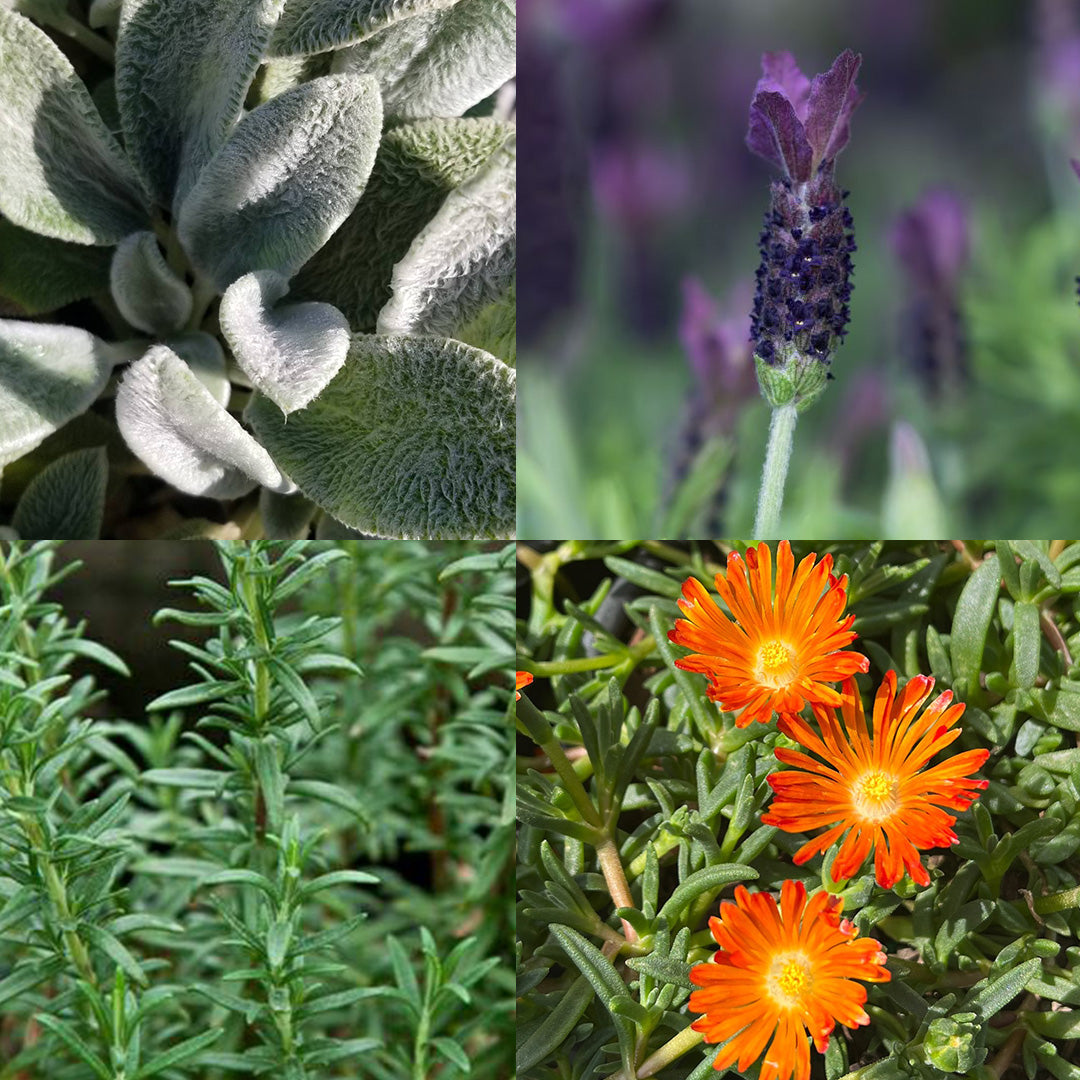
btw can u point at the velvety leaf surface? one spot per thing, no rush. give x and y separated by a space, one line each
463 259
290 353
147 291
309 26
182 70
66 500
48 375
41 274
172 422
289 175
413 438
440 63
61 173
202 353
417 166
494 329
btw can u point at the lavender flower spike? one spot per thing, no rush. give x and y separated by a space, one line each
801 305
801 308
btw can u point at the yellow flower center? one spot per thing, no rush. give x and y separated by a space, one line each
775 664
790 977
876 795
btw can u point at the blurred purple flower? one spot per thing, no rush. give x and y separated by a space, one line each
931 241
1058 63
801 305
638 185
717 343
608 24
718 346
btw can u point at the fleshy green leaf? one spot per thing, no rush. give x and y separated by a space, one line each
413 438
417 166
311 26
290 353
440 63
147 291
65 501
464 257
182 70
42 274
172 422
48 375
289 175
971 623
61 173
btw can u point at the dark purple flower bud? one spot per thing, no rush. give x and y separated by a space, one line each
803 281
801 125
931 243
801 308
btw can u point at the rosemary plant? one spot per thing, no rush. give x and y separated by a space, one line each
214 889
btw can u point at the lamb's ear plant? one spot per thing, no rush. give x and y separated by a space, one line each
311 278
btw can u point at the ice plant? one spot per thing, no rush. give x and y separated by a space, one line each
777 652
522 680
782 973
930 240
801 307
872 786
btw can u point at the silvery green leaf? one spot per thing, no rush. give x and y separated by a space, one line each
312 26
174 425
61 173
202 353
289 175
285 517
417 166
42 274
329 528
66 500
48 375
278 75
494 329
104 14
290 353
413 438
148 292
464 257
440 63
182 70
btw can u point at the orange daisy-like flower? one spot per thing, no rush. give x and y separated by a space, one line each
782 972
781 650
523 679
874 785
